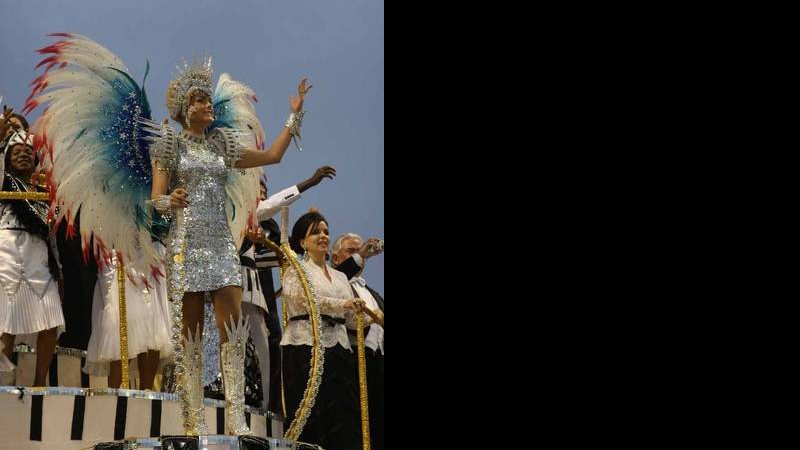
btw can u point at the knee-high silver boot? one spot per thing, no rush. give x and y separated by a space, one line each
194 413
232 355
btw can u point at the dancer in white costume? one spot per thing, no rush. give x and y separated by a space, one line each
29 299
5 127
148 326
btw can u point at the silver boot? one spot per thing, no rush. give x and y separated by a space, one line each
232 355
194 412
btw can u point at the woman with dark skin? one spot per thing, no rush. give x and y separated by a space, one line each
29 298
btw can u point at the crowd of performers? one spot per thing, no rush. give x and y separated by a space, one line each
180 213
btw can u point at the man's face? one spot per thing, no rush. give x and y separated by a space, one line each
349 248
263 192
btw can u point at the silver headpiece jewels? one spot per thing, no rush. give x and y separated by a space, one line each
192 78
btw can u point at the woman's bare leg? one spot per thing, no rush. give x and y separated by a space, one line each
193 312
45 351
227 304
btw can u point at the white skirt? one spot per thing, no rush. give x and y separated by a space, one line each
148 322
29 300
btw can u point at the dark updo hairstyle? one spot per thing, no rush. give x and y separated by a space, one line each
309 220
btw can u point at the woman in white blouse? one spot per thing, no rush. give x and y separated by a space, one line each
334 421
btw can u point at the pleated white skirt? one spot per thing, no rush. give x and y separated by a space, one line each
29 300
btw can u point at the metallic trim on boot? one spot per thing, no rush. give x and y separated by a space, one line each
232 357
192 408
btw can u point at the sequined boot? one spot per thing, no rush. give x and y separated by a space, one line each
194 413
232 356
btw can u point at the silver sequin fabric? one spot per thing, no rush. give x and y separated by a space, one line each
211 259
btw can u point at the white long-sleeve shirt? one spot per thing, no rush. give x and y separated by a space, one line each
274 203
373 339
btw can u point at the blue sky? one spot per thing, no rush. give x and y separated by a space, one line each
267 44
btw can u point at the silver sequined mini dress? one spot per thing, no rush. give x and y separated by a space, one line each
210 260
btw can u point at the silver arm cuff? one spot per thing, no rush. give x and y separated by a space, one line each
294 123
163 205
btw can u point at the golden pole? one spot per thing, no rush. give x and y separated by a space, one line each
362 381
36 196
123 323
283 265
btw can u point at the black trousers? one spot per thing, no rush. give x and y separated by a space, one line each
335 420
80 278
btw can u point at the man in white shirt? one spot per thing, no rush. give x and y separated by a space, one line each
270 206
350 254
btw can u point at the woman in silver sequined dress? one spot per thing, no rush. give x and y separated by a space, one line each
191 171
